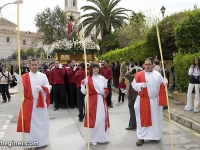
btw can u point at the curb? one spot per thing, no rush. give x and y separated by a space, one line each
183 121
174 116
13 93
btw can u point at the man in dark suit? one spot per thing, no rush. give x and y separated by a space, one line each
131 63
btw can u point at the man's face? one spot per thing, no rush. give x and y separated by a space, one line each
3 69
148 66
121 60
56 64
104 63
33 66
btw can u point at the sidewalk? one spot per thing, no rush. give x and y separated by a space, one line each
178 114
13 90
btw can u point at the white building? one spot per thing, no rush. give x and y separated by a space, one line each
8 38
71 8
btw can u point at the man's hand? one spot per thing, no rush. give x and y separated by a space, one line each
143 85
165 81
38 88
60 66
74 69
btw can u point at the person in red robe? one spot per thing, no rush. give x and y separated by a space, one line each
99 123
35 116
149 103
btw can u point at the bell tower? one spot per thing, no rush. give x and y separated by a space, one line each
71 8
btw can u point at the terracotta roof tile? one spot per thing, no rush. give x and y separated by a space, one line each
4 21
22 33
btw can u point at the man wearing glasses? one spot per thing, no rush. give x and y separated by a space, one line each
149 102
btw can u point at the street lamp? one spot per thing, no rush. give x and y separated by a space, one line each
163 11
15 2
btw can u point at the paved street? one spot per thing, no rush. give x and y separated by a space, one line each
66 132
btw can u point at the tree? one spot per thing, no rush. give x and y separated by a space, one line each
133 31
104 17
14 55
39 51
30 52
111 42
187 33
51 24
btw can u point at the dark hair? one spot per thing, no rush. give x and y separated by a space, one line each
156 62
134 71
123 79
106 60
32 60
93 65
136 63
3 66
82 65
194 61
117 62
131 59
149 59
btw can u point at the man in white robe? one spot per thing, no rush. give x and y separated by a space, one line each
35 107
98 109
149 103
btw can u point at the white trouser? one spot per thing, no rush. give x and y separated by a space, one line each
189 97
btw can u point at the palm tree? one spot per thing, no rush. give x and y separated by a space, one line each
105 16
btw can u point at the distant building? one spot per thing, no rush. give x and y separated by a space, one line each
8 38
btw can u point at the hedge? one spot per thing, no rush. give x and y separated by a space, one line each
182 64
138 51
187 33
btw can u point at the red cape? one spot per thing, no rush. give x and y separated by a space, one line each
93 106
145 109
28 104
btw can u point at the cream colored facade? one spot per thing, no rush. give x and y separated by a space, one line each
8 38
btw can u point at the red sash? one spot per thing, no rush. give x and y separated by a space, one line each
28 104
93 106
145 108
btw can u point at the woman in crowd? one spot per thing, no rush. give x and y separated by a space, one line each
98 110
194 73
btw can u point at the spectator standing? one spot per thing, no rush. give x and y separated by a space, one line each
71 71
106 71
5 77
57 80
79 76
156 66
194 73
122 68
131 63
173 87
116 74
122 88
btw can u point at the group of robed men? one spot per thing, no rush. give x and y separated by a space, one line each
36 88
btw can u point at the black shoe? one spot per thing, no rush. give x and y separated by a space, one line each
63 107
72 107
55 109
51 103
111 106
165 107
80 120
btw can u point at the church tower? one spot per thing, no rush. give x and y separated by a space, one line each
71 8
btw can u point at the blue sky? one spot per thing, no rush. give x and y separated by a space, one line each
29 8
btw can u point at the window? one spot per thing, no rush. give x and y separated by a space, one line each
35 45
8 39
92 38
24 42
74 3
